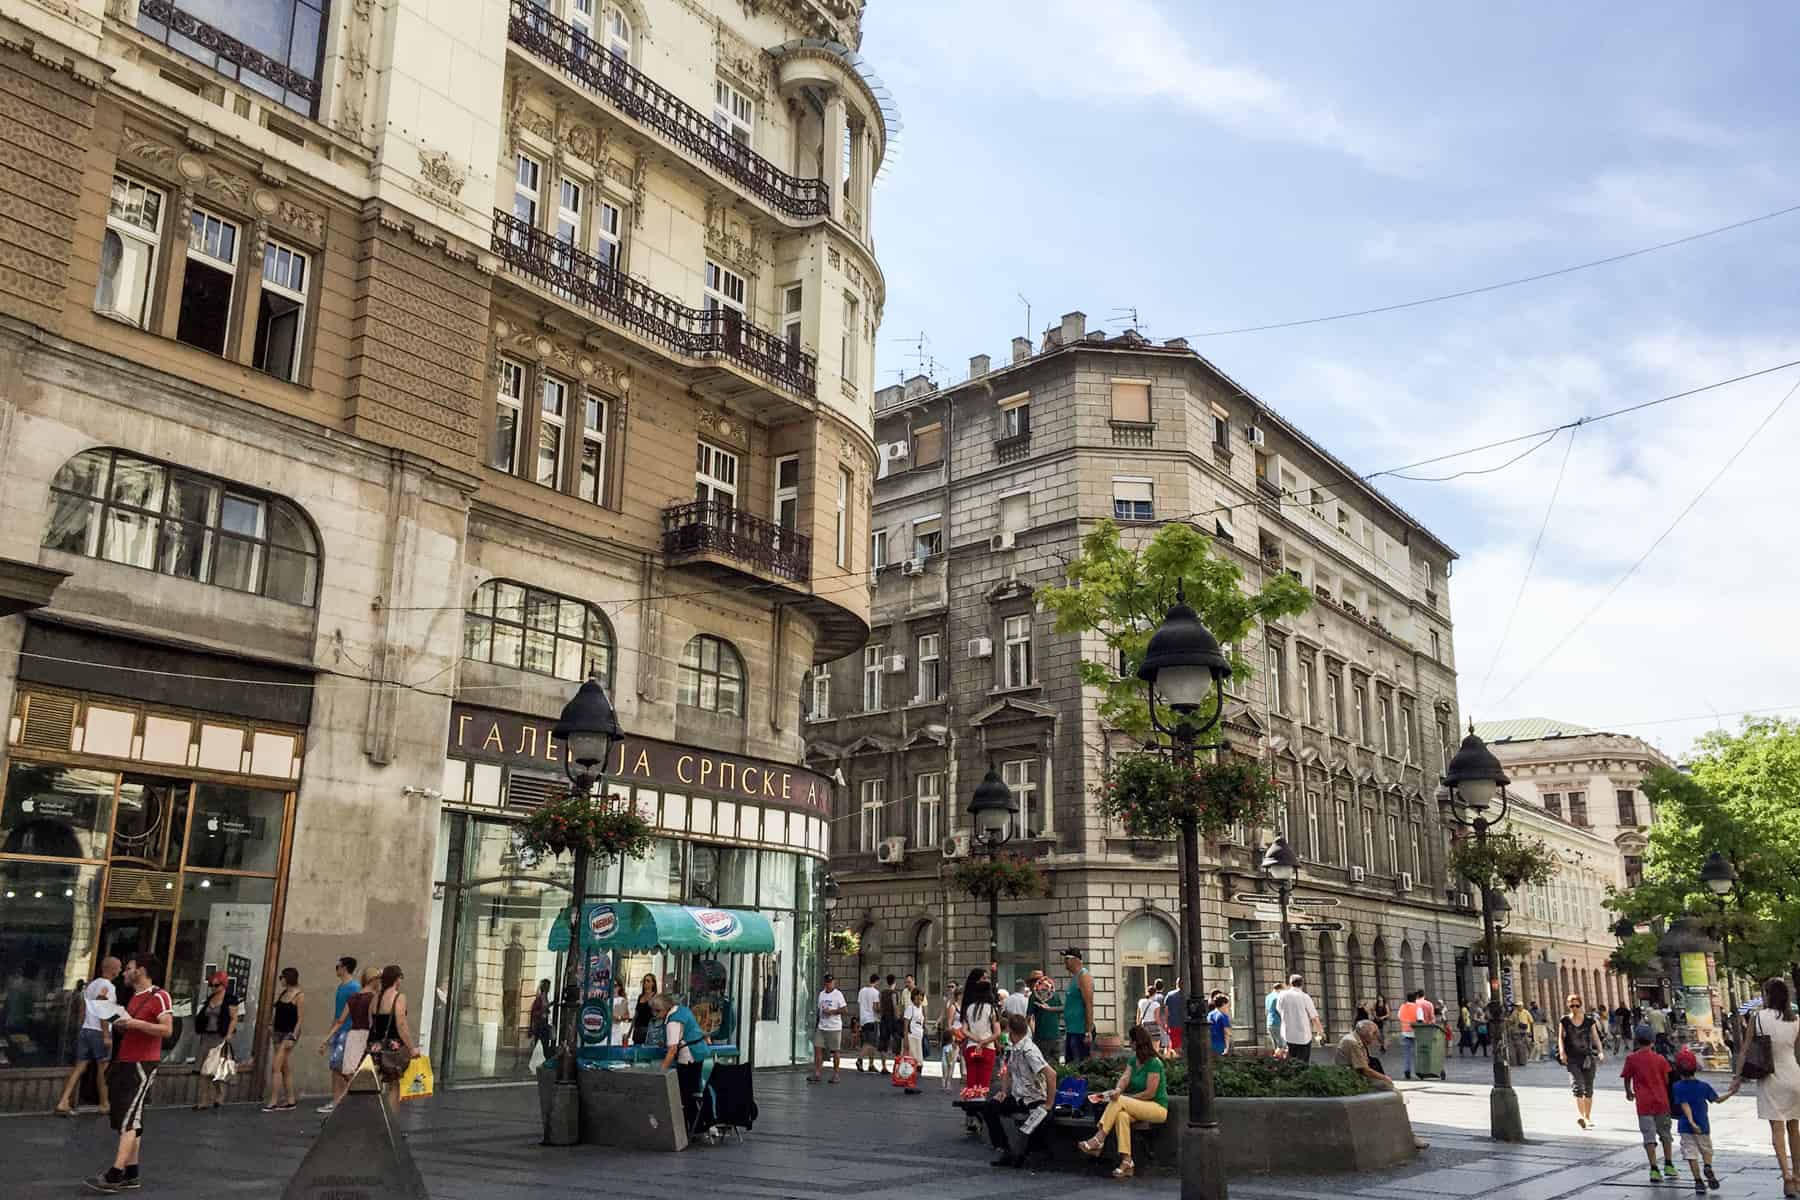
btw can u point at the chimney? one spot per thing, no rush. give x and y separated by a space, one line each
1177 343
1021 349
887 397
1096 335
979 365
1074 326
918 385
1052 338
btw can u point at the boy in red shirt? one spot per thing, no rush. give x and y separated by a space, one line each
1646 1076
136 1055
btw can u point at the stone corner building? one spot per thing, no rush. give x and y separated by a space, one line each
371 379
985 491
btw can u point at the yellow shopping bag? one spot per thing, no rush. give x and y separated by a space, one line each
415 1081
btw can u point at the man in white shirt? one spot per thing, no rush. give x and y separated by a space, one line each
1299 1019
830 1036
99 1006
1018 1001
868 1015
1030 1084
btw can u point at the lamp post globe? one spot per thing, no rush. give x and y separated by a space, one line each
992 809
830 893
1717 874
1499 909
1280 863
1183 664
1474 777
589 729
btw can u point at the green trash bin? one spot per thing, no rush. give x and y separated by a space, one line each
1428 1051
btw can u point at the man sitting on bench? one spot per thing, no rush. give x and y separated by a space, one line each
1030 1083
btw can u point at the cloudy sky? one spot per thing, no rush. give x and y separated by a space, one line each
1217 166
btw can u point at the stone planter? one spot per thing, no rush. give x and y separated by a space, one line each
639 1110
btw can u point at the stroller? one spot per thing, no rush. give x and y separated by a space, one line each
726 1103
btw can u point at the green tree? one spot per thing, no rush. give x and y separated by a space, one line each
1123 592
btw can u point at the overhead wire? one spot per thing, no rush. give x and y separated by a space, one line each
1530 564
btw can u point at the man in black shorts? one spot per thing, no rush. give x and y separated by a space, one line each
138 1042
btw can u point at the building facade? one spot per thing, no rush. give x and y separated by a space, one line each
1581 791
985 491
374 378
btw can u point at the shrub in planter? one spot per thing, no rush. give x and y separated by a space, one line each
1245 1077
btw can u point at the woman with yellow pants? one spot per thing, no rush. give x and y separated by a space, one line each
1142 1095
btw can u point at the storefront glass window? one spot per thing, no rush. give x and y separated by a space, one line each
236 828
775 1013
503 929
778 879
1021 948
56 812
223 925
724 876
656 876
151 821
47 920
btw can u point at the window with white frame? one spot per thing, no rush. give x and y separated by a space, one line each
615 32
606 234
528 174
281 312
1393 844
1015 417
1334 701
1222 528
1437 651
552 418
1276 699
568 212
1359 696
874 799
928 537
1314 848
509 417
819 700
1407 752
724 289
1415 843
1020 774
1368 839
734 112
593 450
1386 705
842 517
793 299
1308 710
715 476
207 282
1134 498
852 333
786 513
1341 826
581 20
878 549
1015 512
128 251
931 662
1017 634
872 678
928 822
1283 818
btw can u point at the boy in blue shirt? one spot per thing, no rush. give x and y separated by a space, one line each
1691 1096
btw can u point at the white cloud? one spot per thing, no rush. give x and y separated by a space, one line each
1434 244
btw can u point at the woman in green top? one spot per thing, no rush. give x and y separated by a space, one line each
1142 1095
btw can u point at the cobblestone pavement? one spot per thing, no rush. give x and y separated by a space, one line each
865 1138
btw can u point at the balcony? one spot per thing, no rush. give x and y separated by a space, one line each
293 83
716 528
584 281
580 59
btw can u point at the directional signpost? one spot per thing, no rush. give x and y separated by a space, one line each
1313 902
1255 935
1254 898
1325 926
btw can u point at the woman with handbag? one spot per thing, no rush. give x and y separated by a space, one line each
215 1025
1770 1059
1578 1047
390 1038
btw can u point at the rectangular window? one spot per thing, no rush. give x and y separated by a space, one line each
568 213
1015 417
1020 774
786 514
1417 858
1314 848
715 478
1393 845
509 411
207 282
733 112
1334 702
1360 703
928 445
1274 685
1553 803
281 313
931 662
843 518
724 289
1017 631
872 678
873 800
878 554
128 251
1578 808
1386 705
1437 650
821 692
1131 401
1368 840
928 823
1407 730
1627 808
1308 711
527 174
1283 818
928 538
552 415
1341 824
606 234
1015 512
593 450
1221 428
792 309
1134 499
848 339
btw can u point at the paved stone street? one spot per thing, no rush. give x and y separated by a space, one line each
867 1139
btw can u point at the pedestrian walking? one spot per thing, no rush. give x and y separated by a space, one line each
868 1018
828 1038
1141 1095
1778 1094
93 1044
149 1019
284 1034
215 1025
1078 1009
1578 1048
538 1021
1410 1016
640 1011
950 1040
981 1028
350 1033
913 1022
1219 1025
390 1037
893 1007
1692 1120
1646 1076
1149 1013
347 986
1465 1031
1175 1016
1272 1018
1299 1019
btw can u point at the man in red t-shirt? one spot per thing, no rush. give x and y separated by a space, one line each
1646 1076
137 1053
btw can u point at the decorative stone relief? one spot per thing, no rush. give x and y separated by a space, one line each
745 62
618 171
719 424
441 177
546 346
143 146
732 240
353 89
639 175
234 188
586 143
309 223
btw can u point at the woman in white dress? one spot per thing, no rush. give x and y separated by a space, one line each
1778 1096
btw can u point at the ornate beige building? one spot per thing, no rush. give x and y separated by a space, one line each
374 374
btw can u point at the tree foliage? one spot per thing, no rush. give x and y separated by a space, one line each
1123 592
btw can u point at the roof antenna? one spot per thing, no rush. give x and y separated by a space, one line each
1130 317
1027 304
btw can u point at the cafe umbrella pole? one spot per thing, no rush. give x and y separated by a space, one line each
588 729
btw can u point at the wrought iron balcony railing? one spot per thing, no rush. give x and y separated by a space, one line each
716 525
586 282
587 62
295 88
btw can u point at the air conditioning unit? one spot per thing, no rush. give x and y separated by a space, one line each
1406 881
913 566
898 449
1003 540
891 851
1357 874
894 664
955 845
981 647
1255 434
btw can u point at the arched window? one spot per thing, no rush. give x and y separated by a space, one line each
711 676
924 958
512 625
1146 954
1428 972
1409 982
112 505
615 32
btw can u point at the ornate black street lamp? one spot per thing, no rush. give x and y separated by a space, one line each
830 893
1476 779
1720 877
1282 865
1184 668
589 731
993 809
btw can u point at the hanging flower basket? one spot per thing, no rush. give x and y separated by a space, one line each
1151 795
607 827
1504 861
845 943
1010 875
